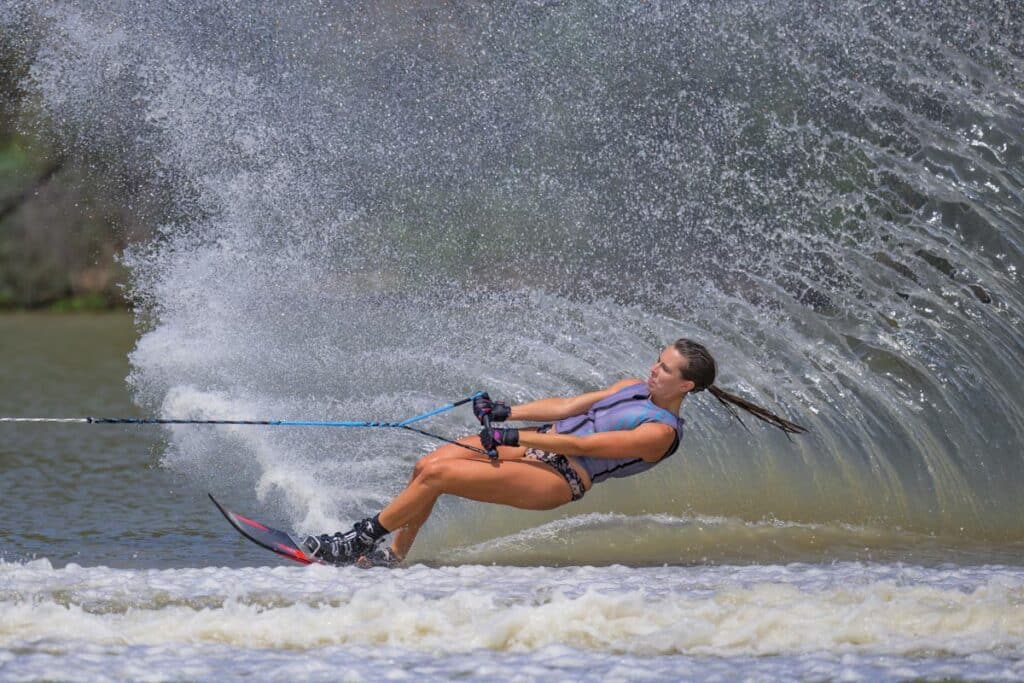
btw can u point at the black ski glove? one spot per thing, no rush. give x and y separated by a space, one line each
483 406
499 436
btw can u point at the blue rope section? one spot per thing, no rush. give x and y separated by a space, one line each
404 424
279 423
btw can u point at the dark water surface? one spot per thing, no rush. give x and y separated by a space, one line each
115 568
99 495
91 494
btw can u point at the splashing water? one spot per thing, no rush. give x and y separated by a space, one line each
377 209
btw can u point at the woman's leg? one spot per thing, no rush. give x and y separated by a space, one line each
520 483
403 538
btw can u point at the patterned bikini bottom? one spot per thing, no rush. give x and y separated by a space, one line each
561 465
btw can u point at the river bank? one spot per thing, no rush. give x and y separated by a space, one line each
60 235
63 220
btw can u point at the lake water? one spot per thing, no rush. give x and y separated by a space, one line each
364 212
114 567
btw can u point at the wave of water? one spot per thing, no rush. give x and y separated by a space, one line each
374 211
649 540
881 621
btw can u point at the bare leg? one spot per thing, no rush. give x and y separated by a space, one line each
524 484
404 537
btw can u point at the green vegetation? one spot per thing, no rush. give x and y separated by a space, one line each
60 230
81 303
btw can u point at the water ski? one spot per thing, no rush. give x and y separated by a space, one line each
265 536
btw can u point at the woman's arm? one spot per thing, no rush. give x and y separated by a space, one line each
649 442
548 409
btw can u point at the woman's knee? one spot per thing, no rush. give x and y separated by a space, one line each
436 473
421 464
432 456
446 452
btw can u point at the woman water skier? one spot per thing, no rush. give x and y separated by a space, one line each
623 430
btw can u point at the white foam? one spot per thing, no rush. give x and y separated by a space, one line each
751 611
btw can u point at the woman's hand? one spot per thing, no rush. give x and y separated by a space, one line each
499 436
484 406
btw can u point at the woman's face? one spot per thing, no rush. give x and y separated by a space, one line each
666 375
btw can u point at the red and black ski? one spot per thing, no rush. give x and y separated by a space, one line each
265 536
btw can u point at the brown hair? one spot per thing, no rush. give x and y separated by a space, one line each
700 369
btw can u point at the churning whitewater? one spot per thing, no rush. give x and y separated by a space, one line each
897 621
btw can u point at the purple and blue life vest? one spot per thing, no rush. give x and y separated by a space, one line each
627 408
